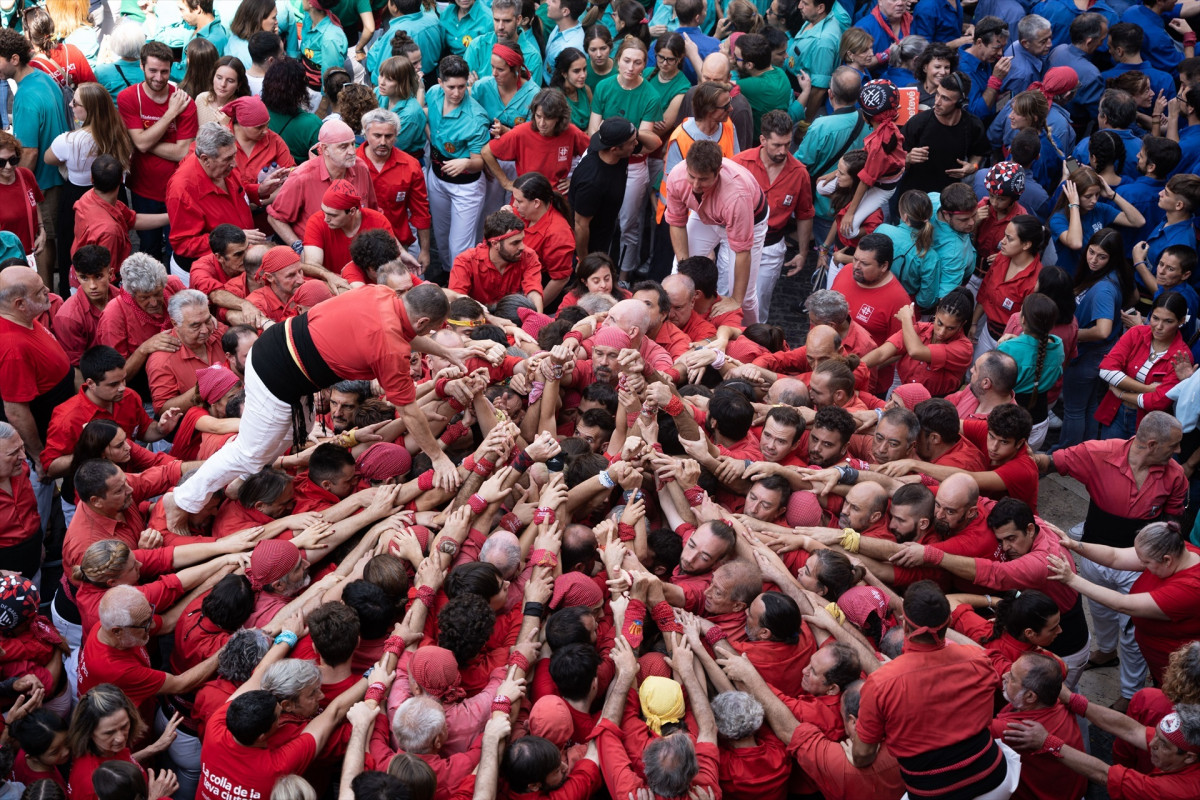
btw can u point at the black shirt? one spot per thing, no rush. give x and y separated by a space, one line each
946 143
597 191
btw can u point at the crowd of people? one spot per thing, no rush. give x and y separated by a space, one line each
400 405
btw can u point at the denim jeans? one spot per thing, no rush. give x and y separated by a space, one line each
1081 395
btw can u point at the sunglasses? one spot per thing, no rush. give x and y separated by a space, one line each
11 161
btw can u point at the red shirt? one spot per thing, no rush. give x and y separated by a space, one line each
825 762
209 700
1001 298
65 58
34 361
100 222
550 155
233 517
364 334
975 540
19 519
1019 473
300 196
781 663
1030 571
172 374
150 174
123 326
1175 597
129 670
162 593
76 322
274 309
873 307
23 773
1126 784
963 455
208 276
18 207
990 230
197 206
1128 355
70 417
790 195
1044 777
1102 466
967 404
196 638
476 276
622 780
80 784
943 373
401 193
311 497
229 768
753 773
671 339
336 244
698 328
552 239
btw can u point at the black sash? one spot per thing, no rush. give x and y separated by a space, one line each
42 407
1101 527
1074 631
280 372
959 771
24 557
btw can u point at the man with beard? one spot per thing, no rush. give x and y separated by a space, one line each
704 550
345 398
236 343
278 573
328 235
399 182
992 380
499 265
873 293
865 510
828 438
210 274
945 143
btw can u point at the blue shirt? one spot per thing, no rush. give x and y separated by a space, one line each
814 49
411 136
559 40
1133 146
487 95
1159 80
1159 49
883 39
938 20
422 28
1099 217
978 72
1087 96
479 54
1142 194
825 137
1164 236
1062 13
1189 143
1026 69
122 74
1008 10
1101 300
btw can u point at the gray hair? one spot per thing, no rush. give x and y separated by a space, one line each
503 551
911 47
7 431
117 605
738 715
828 307
126 41
906 419
1030 26
394 267
596 303
417 723
508 5
241 655
380 116
143 273
671 765
1157 426
211 138
360 388
1189 721
185 299
293 787
1158 540
998 367
286 679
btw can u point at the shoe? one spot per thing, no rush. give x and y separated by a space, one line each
643 268
1056 422
1100 660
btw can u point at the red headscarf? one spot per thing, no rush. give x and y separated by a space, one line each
341 196
514 59
436 672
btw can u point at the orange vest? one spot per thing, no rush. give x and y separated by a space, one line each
684 139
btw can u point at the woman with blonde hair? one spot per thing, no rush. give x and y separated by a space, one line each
400 91
103 728
73 22
228 83
1031 109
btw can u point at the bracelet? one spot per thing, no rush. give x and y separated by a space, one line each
502 704
521 462
376 691
606 480
517 659
1189 38
1053 745
1078 704
477 503
694 496
1142 263
484 467
674 407
995 83
349 438
543 515
626 532
286 637
988 599
511 523
883 57
714 635
719 361
422 593
298 247
850 540
836 612
532 609
394 645
933 556
1072 205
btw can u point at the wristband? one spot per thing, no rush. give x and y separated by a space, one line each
848 476
1053 745
674 407
1189 38
543 515
606 480
933 556
517 659
556 372
484 467
694 496
543 558
719 361
286 637
394 645
376 691
714 635
425 481
502 704
995 83
477 503
664 616
850 540
455 404
532 609
453 433
883 57
635 617
349 438
1078 704
836 612
511 523
422 593
626 532
576 335
521 462
439 387
1142 264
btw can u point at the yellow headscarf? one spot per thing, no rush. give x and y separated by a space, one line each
662 702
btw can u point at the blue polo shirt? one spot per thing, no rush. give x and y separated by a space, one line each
1133 146
1101 300
1142 194
1026 69
938 20
1189 143
460 31
1159 49
1010 11
1101 216
514 112
423 28
1159 80
1062 13
460 134
1087 96
557 41
883 39
215 32
1164 236
978 72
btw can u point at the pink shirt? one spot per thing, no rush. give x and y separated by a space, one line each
731 203
301 194
464 719
1030 571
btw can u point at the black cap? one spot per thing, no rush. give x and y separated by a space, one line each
613 132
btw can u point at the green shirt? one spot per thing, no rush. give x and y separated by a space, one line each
766 92
423 28
1024 349
670 90
119 75
825 138
593 79
461 133
581 110
487 95
298 132
348 12
39 115
479 55
814 50
460 32
636 105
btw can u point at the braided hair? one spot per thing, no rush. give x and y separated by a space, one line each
958 303
1039 313
917 210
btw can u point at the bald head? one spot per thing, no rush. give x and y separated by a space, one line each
955 505
632 317
121 606
22 293
503 551
789 391
822 344
681 294
960 488
715 69
864 506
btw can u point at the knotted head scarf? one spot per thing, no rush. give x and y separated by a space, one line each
662 702
436 672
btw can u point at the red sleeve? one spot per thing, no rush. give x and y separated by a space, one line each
619 775
505 147
975 431
1118 357
418 202
560 254
582 782
162 381
314 231
187 227
953 357
1177 596
462 274
709 759
964 620
155 481
531 281
59 439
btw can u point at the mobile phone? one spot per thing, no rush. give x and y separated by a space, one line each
1072 164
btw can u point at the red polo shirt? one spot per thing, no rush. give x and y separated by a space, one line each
1176 597
967 404
311 497
401 193
550 155
823 760
336 244
124 326
790 195
150 174
975 540
781 663
1126 784
197 206
1044 777
553 240
672 339
1102 466
19 519
100 222
622 780
1019 473
757 771
128 670
76 322
873 307
990 230
207 275
476 276
162 593
196 638
274 309
233 517
34 361
943 373
172 374
70 417
698 328
963 455
1000 299
300 196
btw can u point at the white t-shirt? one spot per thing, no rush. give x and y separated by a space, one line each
75 149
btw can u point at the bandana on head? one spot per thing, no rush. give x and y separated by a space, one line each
653 664
858 602
611 336
575 589
803 510
1057 82
1171 728
341 196
662 702
334 131
215 382
276 259
514 58
19 600
1005 179
436 672
312 292
384 460
910 394
879 98
249 112
270 561
550 718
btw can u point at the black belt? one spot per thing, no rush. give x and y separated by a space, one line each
762 209
1074 631
437 161
1101 527
773 238
291 378
958 771
42 407
24 557
184 262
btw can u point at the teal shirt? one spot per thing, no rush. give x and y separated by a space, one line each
917 273
479 55
581 110
487 95
665 15
38 116
956 253
119 75
348 12
461 134
636 105
217 33
824 138
1024 349
323 45
766 92
460 32
423 28
411 136
814 50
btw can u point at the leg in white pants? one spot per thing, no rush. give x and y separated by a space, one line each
1113 631
1075 665
180 272
985 343
267 423
494 194
43 492
73 635
466 204
637 183
725 264
769 270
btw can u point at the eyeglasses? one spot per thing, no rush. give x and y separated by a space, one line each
11 161
728 105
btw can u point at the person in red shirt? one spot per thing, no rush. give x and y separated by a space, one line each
329 235
107 726
101 218
226 262
76 322
547 231
282 273
709 304
260 151
993 376
163 123
934 354
1011 278
873 293
661 330
20 525
499 265
398 180
63 62
681 291
330 479
548 144
137 323
173 375
1004 183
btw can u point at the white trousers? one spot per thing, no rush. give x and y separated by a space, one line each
637 185
180 272
184 754
264 436
769 269
703 239
457 209
73 635
1112 631
494 194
